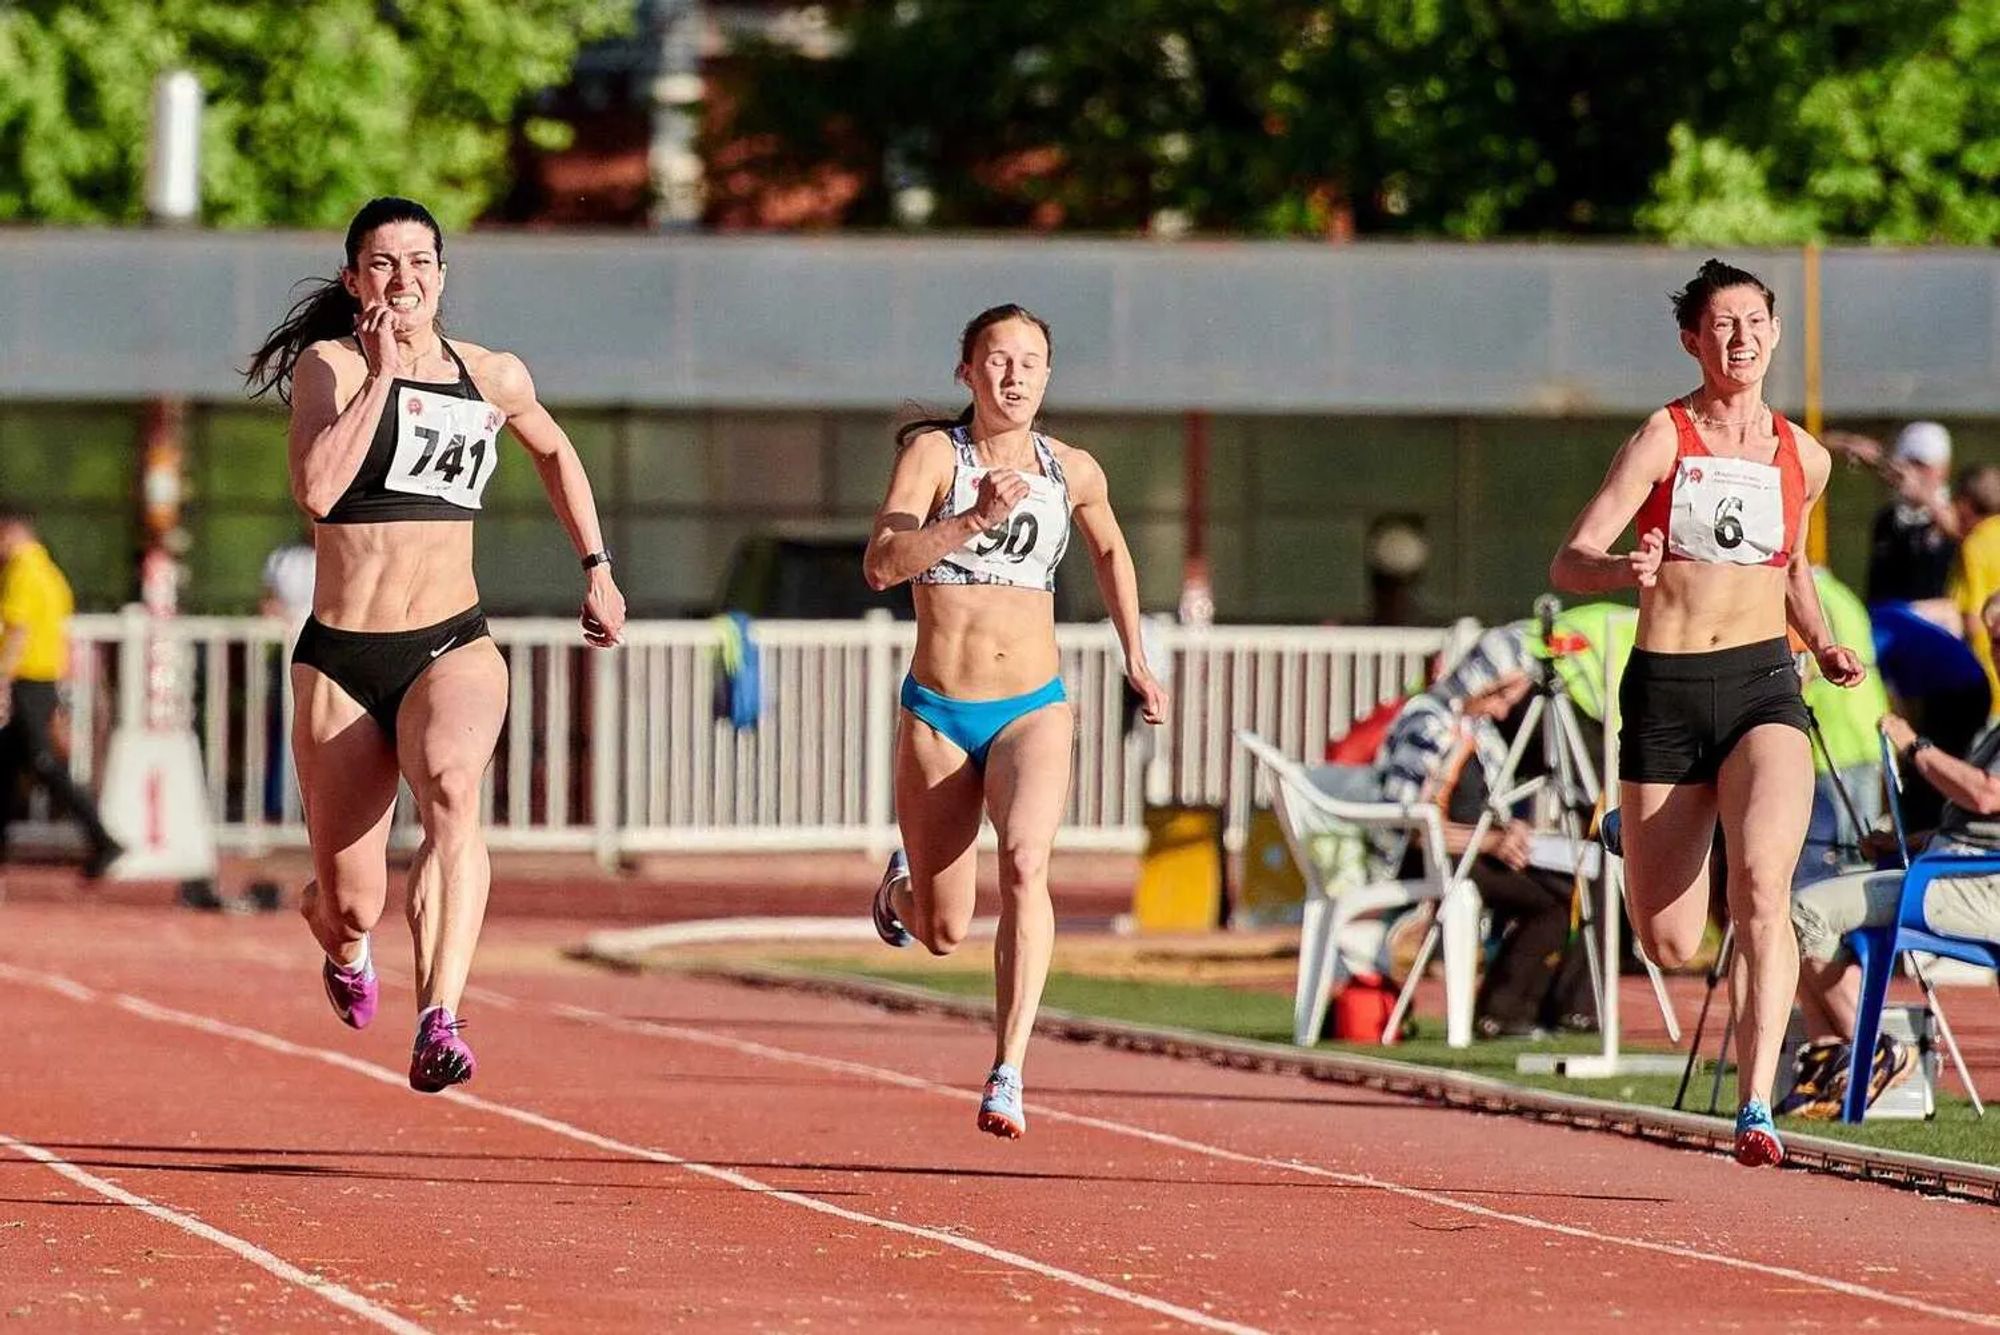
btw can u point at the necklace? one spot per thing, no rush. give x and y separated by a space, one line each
1700 416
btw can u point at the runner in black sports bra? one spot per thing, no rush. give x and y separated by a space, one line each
434 450
395 435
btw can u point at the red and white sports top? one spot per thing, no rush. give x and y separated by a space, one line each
1729 511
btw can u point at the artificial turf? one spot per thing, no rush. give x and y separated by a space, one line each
1955 1133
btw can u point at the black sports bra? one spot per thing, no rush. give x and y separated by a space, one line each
432 454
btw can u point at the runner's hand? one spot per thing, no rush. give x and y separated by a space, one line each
999 492
603 611
375 330
1645 559
1841 665
1153 699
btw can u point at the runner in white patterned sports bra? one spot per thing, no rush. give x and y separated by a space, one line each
395 433
1026 551
977 517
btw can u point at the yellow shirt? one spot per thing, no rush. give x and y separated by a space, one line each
35 596
1975 577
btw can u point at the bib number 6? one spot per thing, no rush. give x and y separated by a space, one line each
1729 523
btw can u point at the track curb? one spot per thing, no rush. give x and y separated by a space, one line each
1894 1168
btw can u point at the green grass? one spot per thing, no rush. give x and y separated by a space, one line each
1238 1013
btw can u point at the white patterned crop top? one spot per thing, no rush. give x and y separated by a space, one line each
1024 552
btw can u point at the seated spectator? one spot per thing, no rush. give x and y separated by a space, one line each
1824 912
1446 747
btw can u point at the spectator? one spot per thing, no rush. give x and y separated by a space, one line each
35 607
1824 912
1976 574
1916 534
1446 747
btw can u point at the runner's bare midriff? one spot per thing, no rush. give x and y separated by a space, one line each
984 641
1697 607
388 577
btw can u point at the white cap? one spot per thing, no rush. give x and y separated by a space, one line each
1925 443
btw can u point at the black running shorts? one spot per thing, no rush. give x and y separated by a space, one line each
1682 714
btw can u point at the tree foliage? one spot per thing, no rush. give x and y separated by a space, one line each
311 107
1721 120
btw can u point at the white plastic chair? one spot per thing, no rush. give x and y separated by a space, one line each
1328 838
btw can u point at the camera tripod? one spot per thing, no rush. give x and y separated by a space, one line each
1573 782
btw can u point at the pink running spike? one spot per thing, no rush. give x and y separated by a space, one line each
439 1058
353 992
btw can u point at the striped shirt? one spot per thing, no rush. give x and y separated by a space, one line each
1424 754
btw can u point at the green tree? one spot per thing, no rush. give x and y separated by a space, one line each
311 107
1885 125
1701 120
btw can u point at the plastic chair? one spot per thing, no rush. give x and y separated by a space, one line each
1339 805
1876 950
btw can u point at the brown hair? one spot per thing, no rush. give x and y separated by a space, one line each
974 327
328 310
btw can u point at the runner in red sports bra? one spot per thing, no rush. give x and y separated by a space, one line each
1713 725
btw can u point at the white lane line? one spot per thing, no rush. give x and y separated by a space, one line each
346 1299
271 1042
884 1075
75 991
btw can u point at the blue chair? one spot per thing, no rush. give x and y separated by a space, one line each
1877 949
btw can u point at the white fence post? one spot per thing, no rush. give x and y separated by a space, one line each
133 631
607 734
878 717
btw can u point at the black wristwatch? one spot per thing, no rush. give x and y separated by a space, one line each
596 559
1917 743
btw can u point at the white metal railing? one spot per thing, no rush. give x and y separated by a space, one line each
623 752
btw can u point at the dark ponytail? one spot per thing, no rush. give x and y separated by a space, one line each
909 431
328 310
978 325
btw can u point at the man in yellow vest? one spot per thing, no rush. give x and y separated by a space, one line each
35 607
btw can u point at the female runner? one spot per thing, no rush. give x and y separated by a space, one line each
395 433
977 516
1719 485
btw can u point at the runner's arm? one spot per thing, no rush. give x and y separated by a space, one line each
1584 563
903 546
336 406
1117 579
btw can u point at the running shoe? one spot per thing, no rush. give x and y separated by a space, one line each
1892 1066
439 1058
887 925
1757 1140
1000 1112
353 992
1820 1083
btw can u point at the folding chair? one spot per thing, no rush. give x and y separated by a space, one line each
1877 949
1326 816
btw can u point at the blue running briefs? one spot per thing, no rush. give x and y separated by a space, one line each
973 724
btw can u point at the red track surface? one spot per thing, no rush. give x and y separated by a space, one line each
1150 1194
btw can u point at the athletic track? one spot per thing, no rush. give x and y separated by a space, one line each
189 1140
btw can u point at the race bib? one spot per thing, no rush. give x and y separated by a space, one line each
1024 549
446 447
1727 510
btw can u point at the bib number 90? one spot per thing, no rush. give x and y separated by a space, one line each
1015 540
